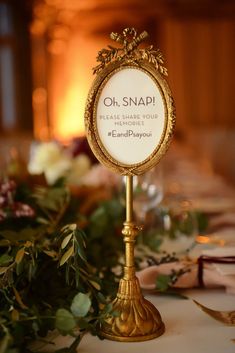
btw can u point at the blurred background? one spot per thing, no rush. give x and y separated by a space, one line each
48 49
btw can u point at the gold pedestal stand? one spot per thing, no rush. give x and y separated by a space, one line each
138 319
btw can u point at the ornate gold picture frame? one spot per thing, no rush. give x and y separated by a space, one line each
113 64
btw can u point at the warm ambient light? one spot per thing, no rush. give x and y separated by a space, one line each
62 70
204 239
70 82
70 114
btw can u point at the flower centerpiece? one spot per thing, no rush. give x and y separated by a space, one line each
52 247
60 246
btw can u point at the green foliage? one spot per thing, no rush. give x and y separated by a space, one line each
46 281
163 282
104 238
80 305
64 321
57 275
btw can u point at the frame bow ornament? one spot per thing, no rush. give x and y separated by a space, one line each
130 51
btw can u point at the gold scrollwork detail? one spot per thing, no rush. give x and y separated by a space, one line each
129 51
131 230
139 320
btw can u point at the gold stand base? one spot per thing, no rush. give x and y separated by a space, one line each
138 319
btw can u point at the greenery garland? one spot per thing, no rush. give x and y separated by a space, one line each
46 281
57 254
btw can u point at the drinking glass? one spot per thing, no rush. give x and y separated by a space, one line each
148 193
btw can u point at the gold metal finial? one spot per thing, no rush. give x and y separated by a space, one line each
130 51
129 39
138 319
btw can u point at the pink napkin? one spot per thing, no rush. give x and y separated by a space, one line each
212 276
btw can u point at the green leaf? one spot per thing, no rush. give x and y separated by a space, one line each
5 259
51 199
95 284
4 242
65 321
80 248
80 305
43 221
99 220
3 270
19 256
66 241
107 309
101 298
5 341
83 324
25 234
69 227
67 255
175 294
163 282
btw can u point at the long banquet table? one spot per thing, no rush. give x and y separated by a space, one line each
188 328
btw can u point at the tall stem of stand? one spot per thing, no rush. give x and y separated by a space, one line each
129 198
129 242
138 319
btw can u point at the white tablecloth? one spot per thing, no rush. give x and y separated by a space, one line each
188 329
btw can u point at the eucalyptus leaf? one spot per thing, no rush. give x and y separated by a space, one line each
65 321
80 305
67 255
95 284
66 241
80 248
69 227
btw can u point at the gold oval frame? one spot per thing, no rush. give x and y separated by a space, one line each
91 118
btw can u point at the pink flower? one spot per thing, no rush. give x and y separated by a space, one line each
100 175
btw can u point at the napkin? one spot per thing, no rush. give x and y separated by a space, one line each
212 276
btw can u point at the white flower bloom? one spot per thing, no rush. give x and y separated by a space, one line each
57 170
80 167
43 156
50 159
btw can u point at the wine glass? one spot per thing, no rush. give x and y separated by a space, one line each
181 230
148 192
